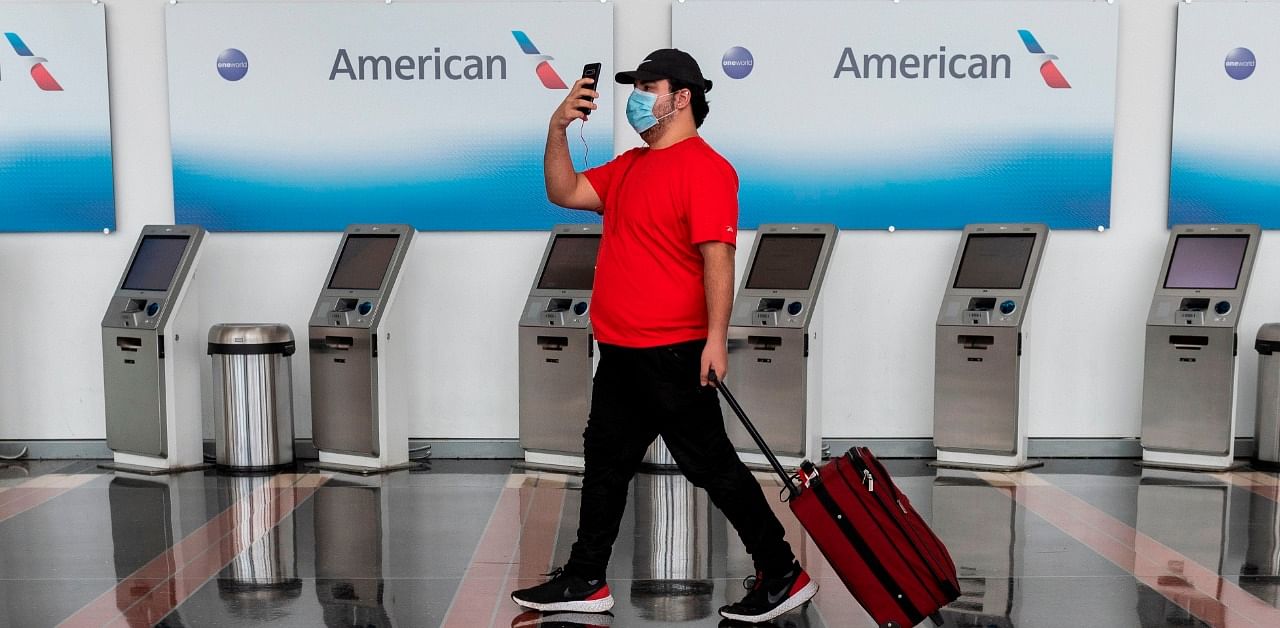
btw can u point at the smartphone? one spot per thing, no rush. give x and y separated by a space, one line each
591 71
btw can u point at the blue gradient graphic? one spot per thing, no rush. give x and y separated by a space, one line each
1204 189
1063 182
57 184
505 193
1059 181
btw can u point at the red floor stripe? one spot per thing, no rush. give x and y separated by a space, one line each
516 548
157 588
1197 589
15 500
1264 484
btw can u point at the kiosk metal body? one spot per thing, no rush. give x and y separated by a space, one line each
151 355
360 382
775 353
557 349
980 381
1190 374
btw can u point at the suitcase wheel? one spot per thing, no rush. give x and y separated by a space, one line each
937 619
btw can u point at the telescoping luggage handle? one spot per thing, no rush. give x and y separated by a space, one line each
792 489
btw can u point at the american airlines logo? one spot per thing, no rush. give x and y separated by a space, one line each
39 73
1048 69
546 73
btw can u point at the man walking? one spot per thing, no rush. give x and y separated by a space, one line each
660 310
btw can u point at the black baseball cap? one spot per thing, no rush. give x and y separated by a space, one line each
667 63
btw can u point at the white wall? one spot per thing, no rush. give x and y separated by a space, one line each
1084 335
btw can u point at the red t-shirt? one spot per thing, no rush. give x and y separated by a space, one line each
659 205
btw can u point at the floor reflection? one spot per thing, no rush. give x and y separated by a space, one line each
673 548
979 527
1260 573
263 578
1183 512
145 521
351 549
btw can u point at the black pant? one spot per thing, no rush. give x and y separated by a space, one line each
638 395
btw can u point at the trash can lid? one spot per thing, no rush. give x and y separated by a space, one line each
251 338
1269 332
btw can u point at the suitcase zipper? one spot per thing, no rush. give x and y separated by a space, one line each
869 481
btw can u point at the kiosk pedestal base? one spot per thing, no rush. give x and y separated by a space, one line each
563 463
1188 462
363 465
147 465
759 463
983 462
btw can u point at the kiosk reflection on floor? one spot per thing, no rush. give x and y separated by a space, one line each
985 562
151 354
352 545
1189 377
557 349
980 385
1198 515
775 348
360 381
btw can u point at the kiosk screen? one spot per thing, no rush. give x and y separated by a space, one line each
992 260
785 262
155 263
1208 262
571 264
363 262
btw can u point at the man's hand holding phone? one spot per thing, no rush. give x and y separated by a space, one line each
580 101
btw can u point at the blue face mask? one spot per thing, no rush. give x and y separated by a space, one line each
640 110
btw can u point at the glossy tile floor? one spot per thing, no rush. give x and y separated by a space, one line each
1098 543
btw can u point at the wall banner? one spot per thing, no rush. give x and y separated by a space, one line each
919 115
55 119
311 116
1226 134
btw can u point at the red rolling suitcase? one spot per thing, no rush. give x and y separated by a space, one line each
879 545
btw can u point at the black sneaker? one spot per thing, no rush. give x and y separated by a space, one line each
771 597
566 592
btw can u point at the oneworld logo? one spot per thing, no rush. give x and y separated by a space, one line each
737 62
1240 63
545 72
1048 70
39 73
232 64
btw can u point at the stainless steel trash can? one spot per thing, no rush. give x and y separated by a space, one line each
1266 435
252 395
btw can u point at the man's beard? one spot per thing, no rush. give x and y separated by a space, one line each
655 132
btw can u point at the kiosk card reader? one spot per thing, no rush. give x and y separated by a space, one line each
775 352
359 380
1189 380
151 355
557 352
979 383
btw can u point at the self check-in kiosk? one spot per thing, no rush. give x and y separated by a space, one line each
1189 380
557 353
980 385
359 380
774 347
151 355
